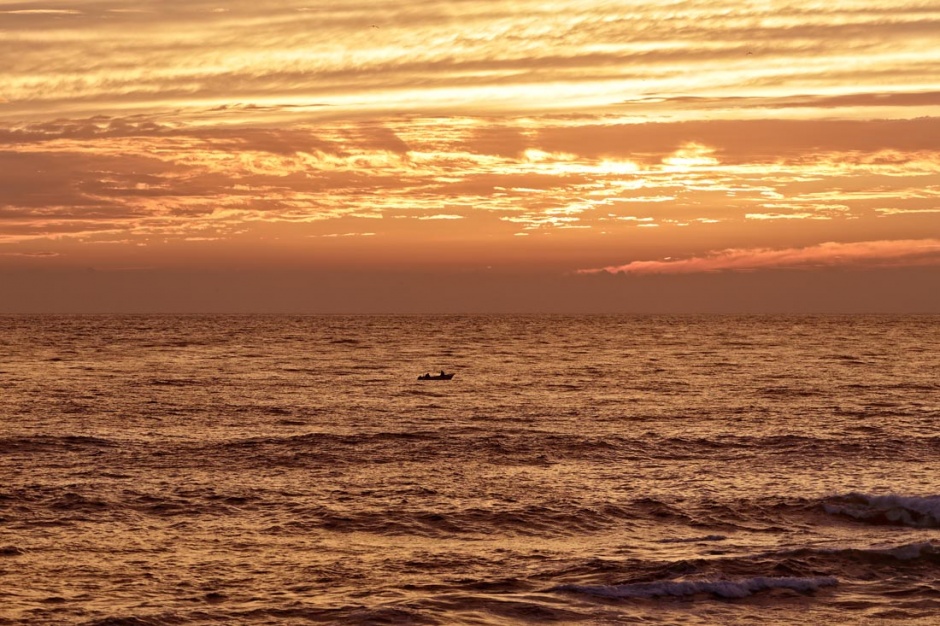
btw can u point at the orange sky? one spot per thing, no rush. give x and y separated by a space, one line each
477 155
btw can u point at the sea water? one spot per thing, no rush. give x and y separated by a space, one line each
597 470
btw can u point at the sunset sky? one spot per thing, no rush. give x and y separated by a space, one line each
469 155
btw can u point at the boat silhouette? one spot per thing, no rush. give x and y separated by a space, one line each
441 376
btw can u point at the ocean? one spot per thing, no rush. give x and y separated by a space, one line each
159 470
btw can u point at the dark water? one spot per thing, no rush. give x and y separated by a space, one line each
601 470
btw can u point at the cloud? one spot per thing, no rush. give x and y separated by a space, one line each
144 178
469 55
831 254
41 12
853 100
895 211
32 255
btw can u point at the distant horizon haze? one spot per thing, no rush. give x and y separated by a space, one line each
473 291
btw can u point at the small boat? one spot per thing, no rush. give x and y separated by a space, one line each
441 376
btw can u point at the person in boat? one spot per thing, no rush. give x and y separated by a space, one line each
443 374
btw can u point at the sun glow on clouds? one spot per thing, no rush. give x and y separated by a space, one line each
164 180
144 124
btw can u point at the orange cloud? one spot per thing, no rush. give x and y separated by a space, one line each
831 254
32 255
473 55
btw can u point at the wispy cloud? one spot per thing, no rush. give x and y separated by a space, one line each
40 12
31 255
471 55
878 99
830 254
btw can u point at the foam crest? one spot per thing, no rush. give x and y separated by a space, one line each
916 512
720 588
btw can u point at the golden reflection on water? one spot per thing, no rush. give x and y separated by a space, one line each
279 470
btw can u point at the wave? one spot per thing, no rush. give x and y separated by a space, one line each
43 443
804 570
421 511
924 551
60 505
148 620
856 563
555 520
352 615
744 574
891 509
721 588
704 539
528 447
176 382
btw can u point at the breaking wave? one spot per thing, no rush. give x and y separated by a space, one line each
861 561
915 512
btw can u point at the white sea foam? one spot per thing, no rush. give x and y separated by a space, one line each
917 512
721 588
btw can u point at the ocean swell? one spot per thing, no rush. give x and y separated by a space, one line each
916 512
720 588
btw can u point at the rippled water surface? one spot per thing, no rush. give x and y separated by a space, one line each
597 470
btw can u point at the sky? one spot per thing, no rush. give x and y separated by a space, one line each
408 156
